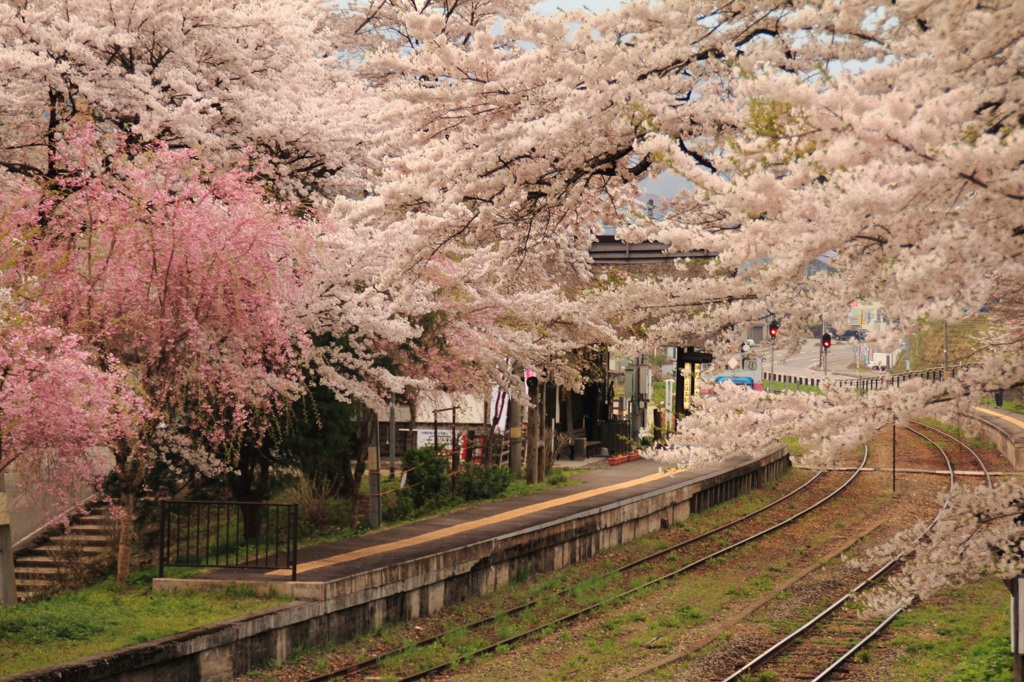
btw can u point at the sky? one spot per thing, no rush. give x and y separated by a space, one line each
596 6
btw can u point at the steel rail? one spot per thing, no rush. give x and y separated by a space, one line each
772 651
694 564
965 446
370 663
776 648
376 660
879 629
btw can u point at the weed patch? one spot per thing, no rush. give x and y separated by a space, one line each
109 616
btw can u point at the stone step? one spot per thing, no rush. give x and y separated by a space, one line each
40 561
50 550
77 541
37 569
34 584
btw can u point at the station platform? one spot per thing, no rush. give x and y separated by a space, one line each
352 586
1003 428
596 485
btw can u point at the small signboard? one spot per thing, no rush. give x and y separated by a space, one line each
425 437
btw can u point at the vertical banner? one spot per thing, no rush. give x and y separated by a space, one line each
498 410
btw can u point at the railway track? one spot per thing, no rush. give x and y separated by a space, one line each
823 646
645 574
963 449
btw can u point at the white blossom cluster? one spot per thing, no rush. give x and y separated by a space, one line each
453 163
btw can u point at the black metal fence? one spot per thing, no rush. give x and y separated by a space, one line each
229 535
879 382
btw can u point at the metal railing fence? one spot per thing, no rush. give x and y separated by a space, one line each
878 382
253 535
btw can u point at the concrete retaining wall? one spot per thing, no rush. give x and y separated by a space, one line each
1004 435
339 610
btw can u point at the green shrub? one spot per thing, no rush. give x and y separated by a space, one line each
320 510
475 482
398 506
427 480
557 477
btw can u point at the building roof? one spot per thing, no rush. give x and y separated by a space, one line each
608 250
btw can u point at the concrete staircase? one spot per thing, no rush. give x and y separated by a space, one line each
58 558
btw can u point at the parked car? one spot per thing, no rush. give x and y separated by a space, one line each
853 335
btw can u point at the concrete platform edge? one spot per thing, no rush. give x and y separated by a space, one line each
341 609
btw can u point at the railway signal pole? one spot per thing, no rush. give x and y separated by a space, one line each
826 343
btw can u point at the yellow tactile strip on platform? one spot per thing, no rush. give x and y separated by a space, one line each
462 527
1001 416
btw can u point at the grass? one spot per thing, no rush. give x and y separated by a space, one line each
789 386
110 616
959 635
957 432
1008 405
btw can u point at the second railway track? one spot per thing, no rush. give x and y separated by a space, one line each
639 607
826 644
629 580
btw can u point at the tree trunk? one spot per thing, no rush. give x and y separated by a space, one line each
125 536
360 449
127 480
252 484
